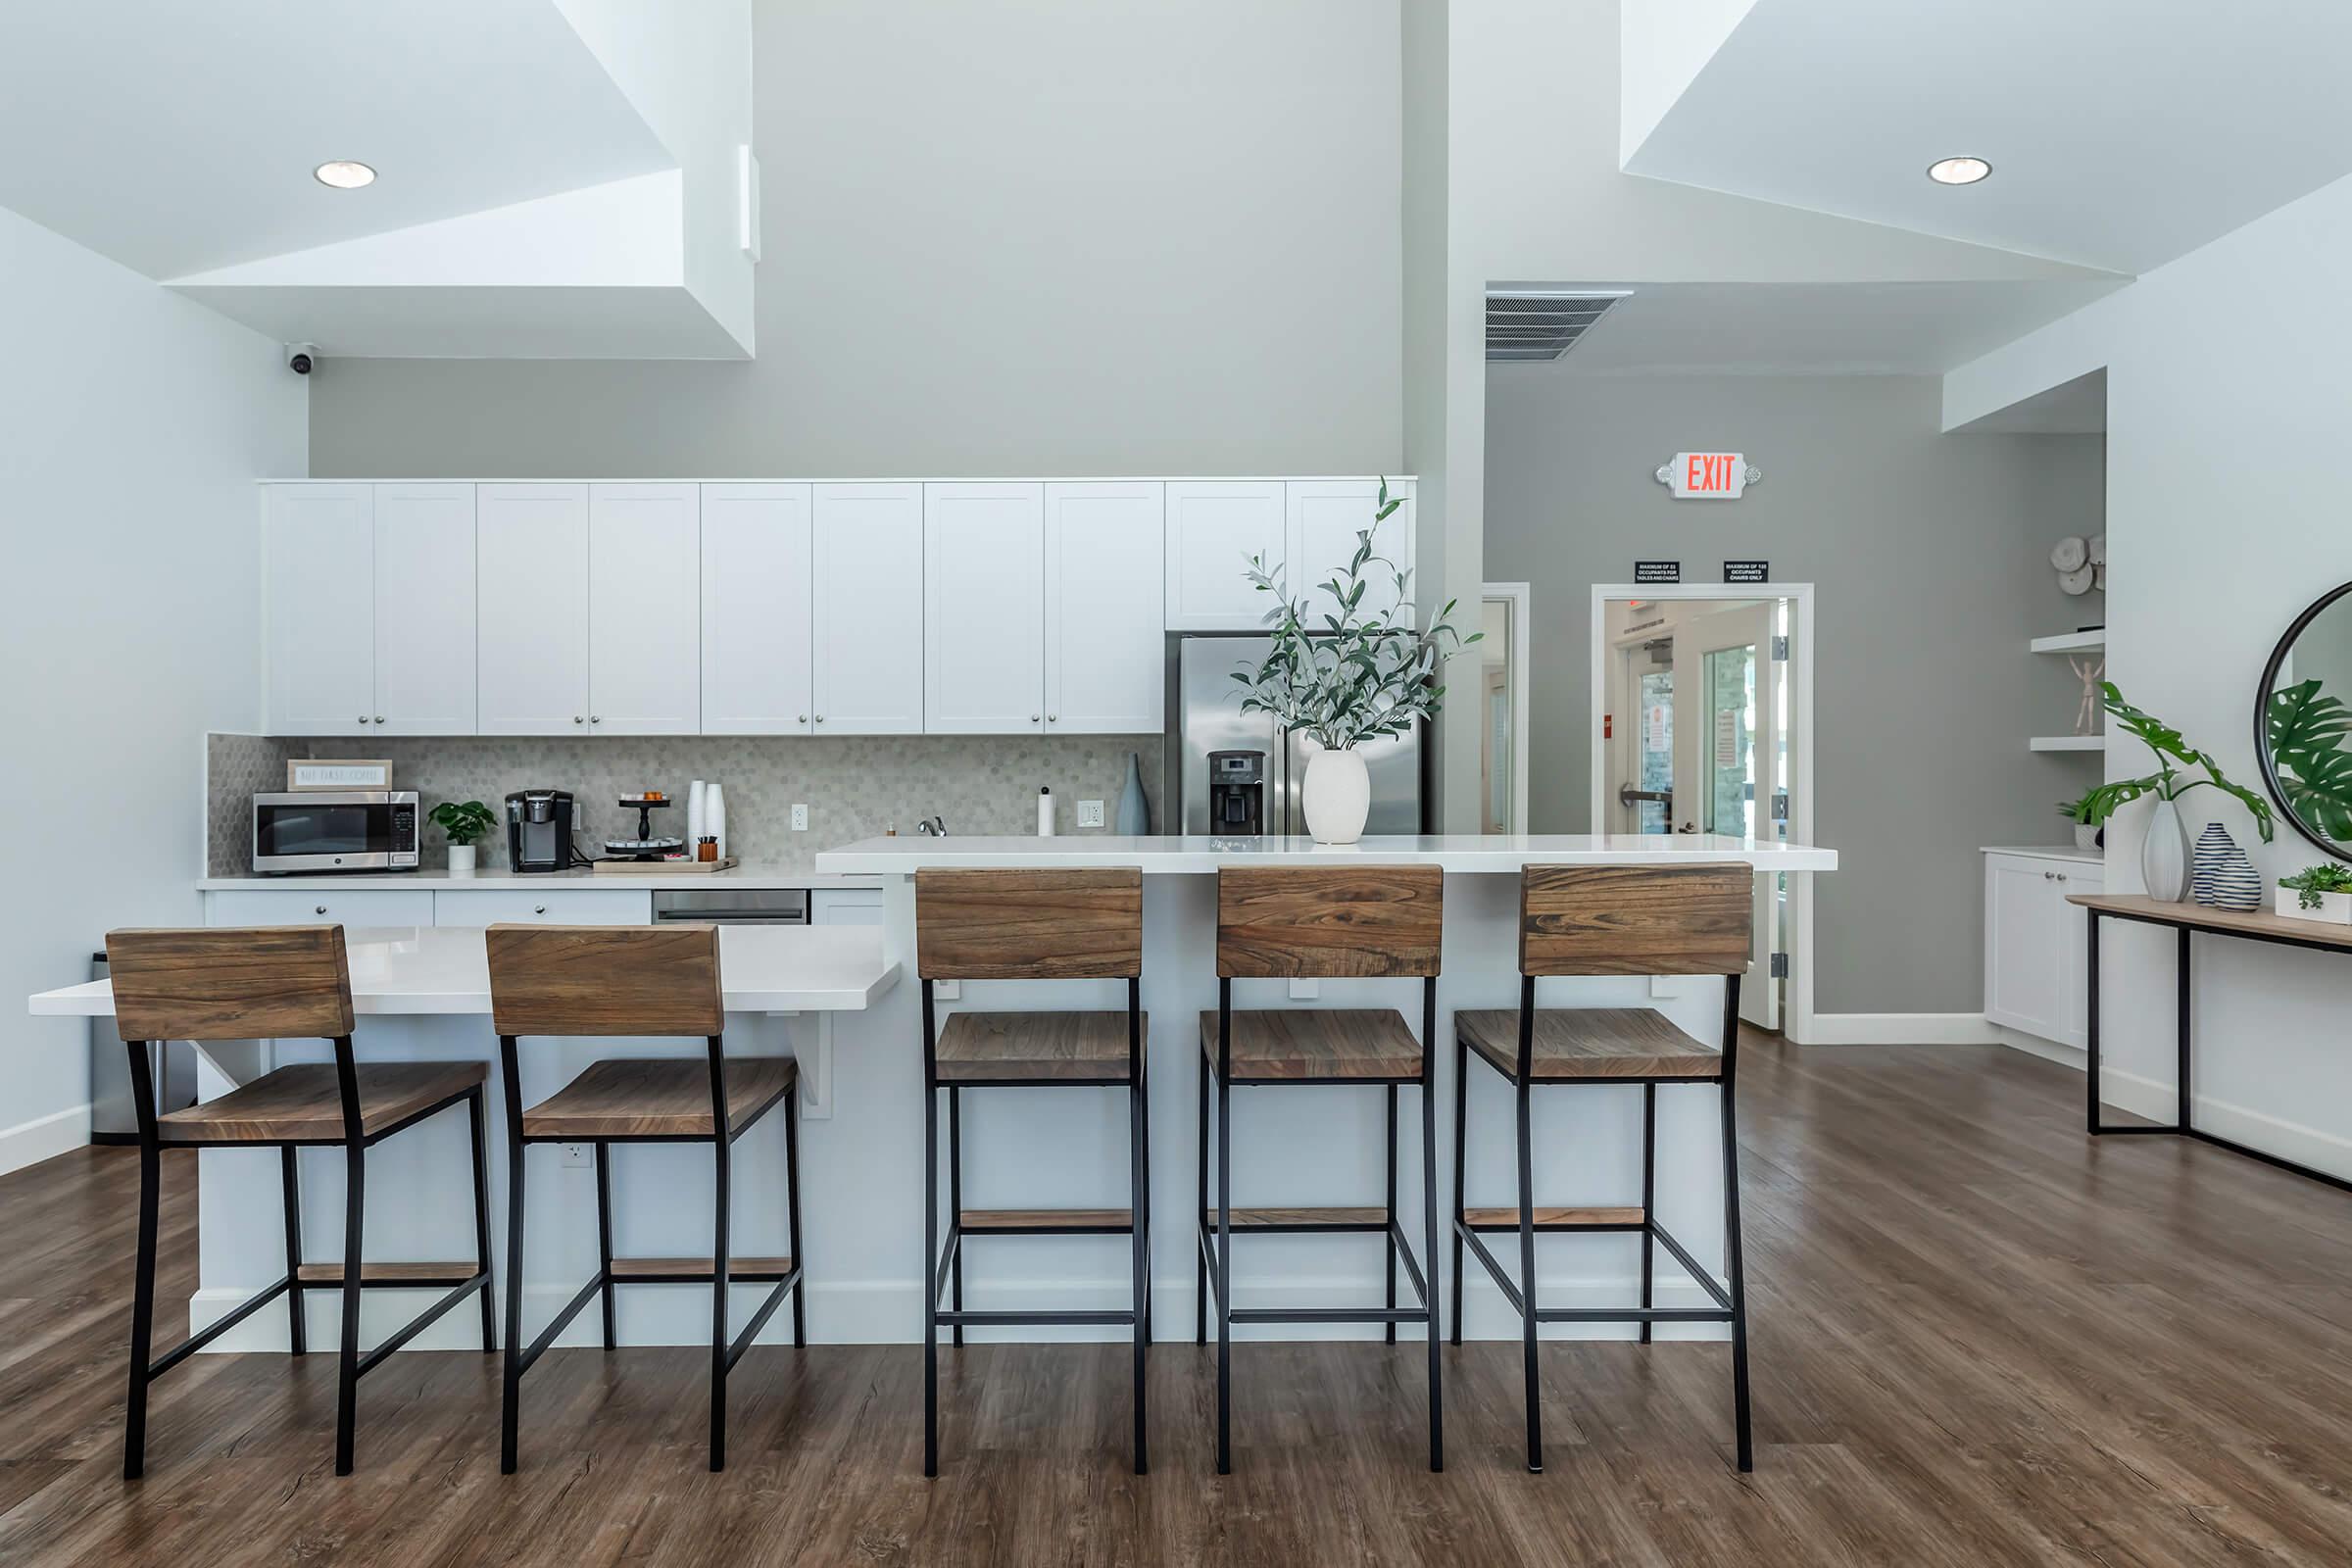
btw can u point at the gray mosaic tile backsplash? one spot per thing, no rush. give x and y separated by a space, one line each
852 785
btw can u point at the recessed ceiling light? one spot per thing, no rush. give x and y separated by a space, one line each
1944 171
344 175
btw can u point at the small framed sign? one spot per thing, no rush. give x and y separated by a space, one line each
1657 571
1748 572
337 774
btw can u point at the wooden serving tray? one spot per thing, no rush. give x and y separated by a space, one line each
662 867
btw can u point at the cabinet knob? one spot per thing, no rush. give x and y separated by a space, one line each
576 719
538 909
379 718
1032 718
802 718
1053 719
820 718
2062 876
362 720
595 718
321 910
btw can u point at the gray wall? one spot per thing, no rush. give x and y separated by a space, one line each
1162 236
1930 554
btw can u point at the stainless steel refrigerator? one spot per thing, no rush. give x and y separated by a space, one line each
1204 715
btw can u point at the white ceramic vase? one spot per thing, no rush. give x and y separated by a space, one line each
461 859
2164 855
1336 796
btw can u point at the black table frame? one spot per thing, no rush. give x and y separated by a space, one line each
2185 1123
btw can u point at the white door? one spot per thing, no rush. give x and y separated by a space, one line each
756 599
645 608
318 590
1730 762
984 608
1105 645
1214 527
531 541
868 618
424 609
1326 519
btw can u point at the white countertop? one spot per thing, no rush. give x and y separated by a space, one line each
441 970
2049 851
1500 851
748 875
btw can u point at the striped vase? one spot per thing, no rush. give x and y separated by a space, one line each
2221 875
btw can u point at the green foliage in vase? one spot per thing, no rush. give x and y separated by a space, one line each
463 821
2078 810
2313 881
1356 675
2306 731
2169 782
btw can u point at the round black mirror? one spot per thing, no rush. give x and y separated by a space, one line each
2303 720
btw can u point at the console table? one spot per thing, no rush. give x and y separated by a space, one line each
2187 919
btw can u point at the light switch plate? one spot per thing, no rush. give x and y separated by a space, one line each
1089 813
1305 989
800 819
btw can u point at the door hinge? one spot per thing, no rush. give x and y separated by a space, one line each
1780 645
1779 805
1780 966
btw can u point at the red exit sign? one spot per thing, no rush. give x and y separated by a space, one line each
1707 476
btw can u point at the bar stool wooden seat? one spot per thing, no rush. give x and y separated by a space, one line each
1295 923
571 982
1611 920
989 924
282 982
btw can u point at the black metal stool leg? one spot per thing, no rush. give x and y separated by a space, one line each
347 1393
1224 1226
1649 1194
956 1202
511 1400
1138 1183
1429 1230
792 1211
718 1310
1392 1210
1461 1113
930 1270
1527 1284
297 1331
604 1239
142 1301
1736 1268
1201 1207
475 1124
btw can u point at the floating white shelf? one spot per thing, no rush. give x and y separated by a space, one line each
2070 642
2069 742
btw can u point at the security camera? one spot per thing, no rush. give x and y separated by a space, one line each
300 356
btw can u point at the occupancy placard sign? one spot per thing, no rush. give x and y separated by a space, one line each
1707 476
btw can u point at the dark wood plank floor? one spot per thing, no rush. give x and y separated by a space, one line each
1979 1340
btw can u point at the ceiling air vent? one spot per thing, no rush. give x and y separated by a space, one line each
1542 323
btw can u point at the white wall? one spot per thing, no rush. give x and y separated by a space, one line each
2222 424
133 424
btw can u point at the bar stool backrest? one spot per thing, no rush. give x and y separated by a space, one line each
231 983
1329 922
1635 919
571 980
1010 924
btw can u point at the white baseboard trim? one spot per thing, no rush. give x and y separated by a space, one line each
1901 1029
890 1312
2155 1100
29 1142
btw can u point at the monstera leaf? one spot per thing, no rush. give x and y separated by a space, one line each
2307 732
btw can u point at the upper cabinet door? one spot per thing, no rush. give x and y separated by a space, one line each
532 545
756 597
1213 528
1105 617
1326 516
645 608
868 553
424 609
319 598
984 615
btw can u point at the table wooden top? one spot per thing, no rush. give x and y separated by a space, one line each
2260 924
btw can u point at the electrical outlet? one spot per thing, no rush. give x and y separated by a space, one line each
800 819
1305 989
948 990
1089 813
582 1155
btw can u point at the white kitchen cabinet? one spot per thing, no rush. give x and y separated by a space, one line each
360 906
1325 518
1214 527
532 548
645 596
543 906
318 593
424 609
1105 608
758 647
984 608
867 549
2034 943
846 906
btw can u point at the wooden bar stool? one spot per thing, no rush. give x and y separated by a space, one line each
1599 920
1297 923
572 982
281 982
1029 925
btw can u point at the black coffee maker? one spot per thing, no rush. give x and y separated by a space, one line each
539 830
1236 794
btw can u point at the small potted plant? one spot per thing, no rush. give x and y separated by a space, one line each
2322 892
1349 677
2079 812
462 822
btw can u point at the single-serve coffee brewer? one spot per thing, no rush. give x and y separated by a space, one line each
539 830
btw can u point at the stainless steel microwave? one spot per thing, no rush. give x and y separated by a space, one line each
335 830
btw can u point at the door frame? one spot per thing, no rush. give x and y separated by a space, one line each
1797 1019
1521 597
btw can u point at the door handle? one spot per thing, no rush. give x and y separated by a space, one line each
1627 795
